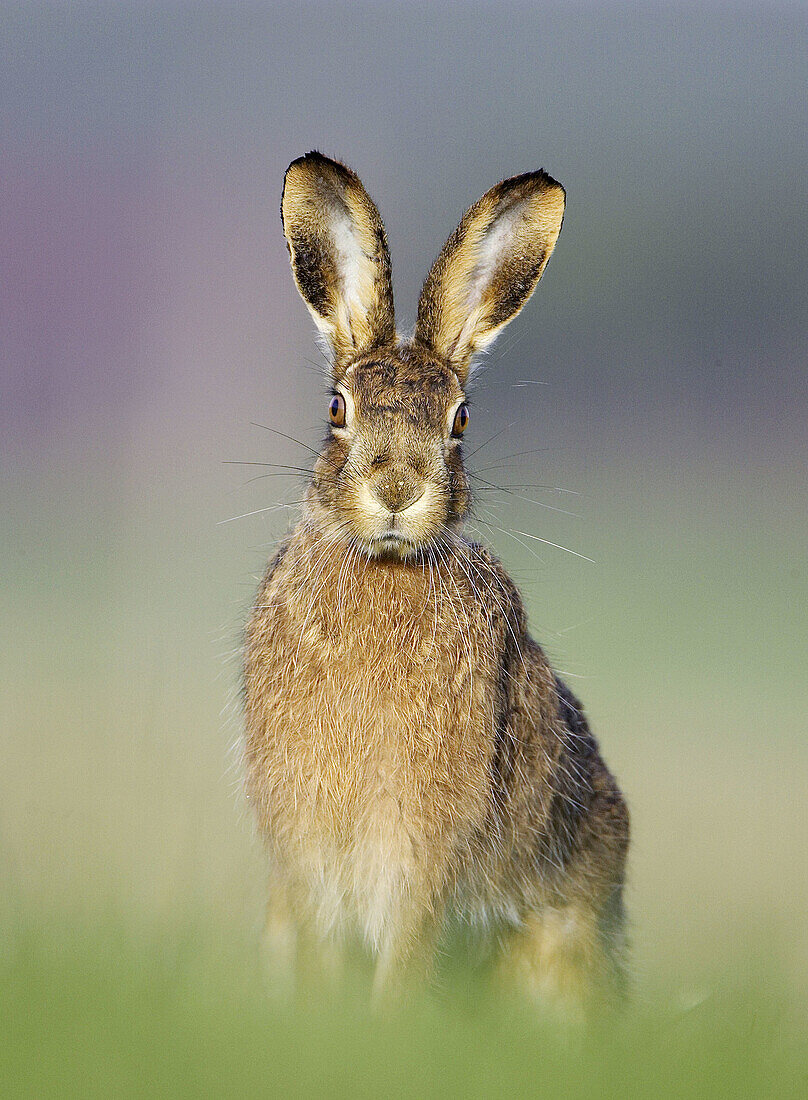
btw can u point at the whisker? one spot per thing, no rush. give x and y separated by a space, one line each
291 438
521 484
520 454
546 542
276 465
541 504
257 511
527 485
316 367
491 439
533 553
260 477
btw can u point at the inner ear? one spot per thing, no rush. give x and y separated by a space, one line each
492 252
340 259
489 267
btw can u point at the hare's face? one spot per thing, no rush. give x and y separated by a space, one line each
391 478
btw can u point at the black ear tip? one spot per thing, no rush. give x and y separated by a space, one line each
312 157
319 166
533 180
315 158
549 182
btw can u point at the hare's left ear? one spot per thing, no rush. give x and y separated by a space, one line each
339 255
489 267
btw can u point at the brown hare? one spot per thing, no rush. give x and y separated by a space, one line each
410 754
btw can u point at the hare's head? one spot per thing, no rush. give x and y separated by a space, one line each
391 478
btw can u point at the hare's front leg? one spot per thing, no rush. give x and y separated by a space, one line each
570 958
279 944
294 953
407 956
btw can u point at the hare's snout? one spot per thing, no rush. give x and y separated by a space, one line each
396 506
399 489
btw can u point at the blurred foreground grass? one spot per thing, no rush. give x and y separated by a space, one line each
100 1011
134 885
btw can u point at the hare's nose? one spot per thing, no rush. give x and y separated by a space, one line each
398 490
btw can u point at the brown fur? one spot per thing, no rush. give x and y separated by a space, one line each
320 195
469 296
409 751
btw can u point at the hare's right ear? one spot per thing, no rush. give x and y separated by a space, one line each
338 248
489 267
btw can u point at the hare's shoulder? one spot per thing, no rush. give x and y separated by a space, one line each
275 566
500 588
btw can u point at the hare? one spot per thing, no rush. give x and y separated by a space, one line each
410 754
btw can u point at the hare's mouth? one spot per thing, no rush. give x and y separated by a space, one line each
397 533
391 537
392 543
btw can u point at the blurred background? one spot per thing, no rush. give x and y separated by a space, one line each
656 386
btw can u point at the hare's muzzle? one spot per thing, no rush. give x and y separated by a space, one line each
398 489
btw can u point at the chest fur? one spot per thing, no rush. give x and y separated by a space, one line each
370 714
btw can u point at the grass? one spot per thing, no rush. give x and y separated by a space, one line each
101 1011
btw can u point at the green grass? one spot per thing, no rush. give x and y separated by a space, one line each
101 1011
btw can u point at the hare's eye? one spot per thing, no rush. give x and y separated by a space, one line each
336 410
461 420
